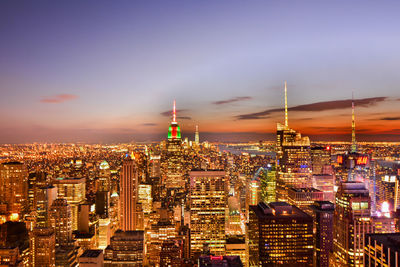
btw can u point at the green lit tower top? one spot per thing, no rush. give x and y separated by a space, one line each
174 131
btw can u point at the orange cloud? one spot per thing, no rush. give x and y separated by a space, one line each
58 98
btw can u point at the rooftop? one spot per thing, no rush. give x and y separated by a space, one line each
278 210
91 253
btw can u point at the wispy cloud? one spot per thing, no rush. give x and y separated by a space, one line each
149 124
168 113
318 106
58 98
232 100
184 118
390 119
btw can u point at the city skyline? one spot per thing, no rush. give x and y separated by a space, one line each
109 73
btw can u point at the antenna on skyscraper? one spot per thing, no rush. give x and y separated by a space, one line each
174 113
286 112
353 126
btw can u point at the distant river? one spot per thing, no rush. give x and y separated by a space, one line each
238 150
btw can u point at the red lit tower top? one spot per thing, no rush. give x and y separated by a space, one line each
174 131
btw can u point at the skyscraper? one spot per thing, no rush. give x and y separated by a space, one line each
74 191
129 194
279 234
61 221
42 245
208 202
351 221
44 200
293 158
320 158
323 226
174 178
14 187
196 136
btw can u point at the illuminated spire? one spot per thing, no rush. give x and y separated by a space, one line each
174 131
286 113
353 126
174 113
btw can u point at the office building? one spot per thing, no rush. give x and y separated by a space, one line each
174 178
208 203
171 253
35 181
126 249
44 200
322 213
61 221
351 221
74 191
320 158
326 184
145 198
293 156
42 247
129 195
304 197
196 136
14 188
279 234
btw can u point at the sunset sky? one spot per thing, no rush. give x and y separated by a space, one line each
108 71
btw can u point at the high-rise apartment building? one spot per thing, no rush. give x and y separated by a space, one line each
208 203
14 188
323 226
351 221
129 195
279 234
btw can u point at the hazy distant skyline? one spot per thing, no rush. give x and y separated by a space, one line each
108 71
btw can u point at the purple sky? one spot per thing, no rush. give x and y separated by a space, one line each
107 71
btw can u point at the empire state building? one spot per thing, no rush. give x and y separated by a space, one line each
174 175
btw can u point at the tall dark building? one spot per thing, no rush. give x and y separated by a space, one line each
279 235
323 227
